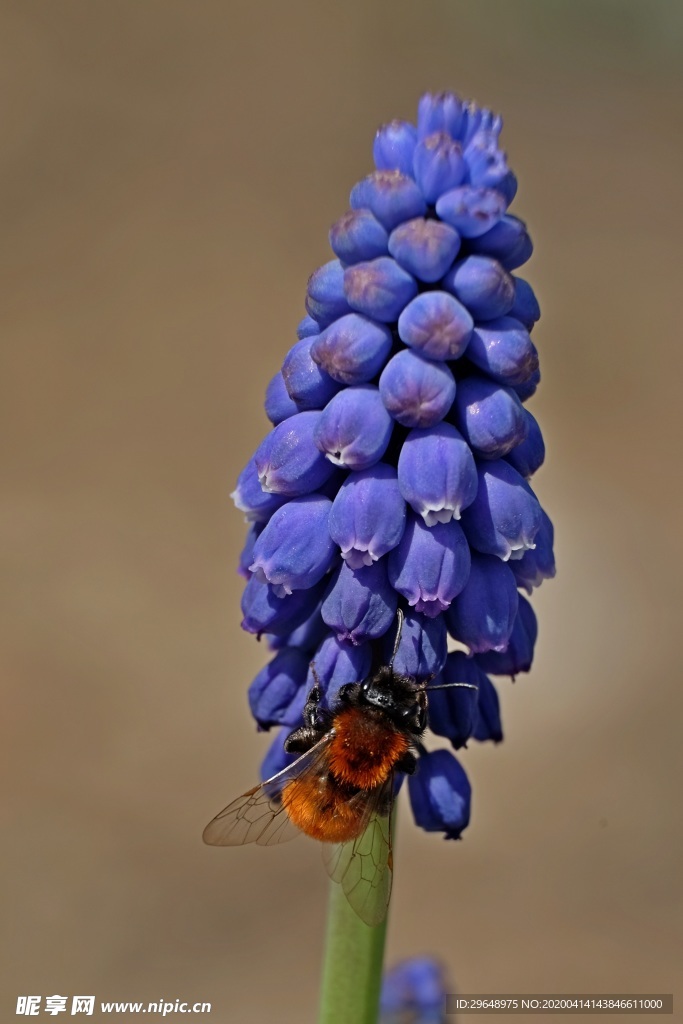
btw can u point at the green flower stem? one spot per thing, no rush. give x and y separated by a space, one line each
352 969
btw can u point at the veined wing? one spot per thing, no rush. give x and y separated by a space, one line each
364 865
258 816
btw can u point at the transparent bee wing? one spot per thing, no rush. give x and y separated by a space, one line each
258 815
364 866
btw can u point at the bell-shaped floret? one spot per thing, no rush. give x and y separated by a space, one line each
354 428
288 461
481 284
416 391
353 349
482 616
437 474
505 516
430 565
325 298
471 211
519 654
390 195
491 417
394 146
425 248
368 516
440 794
503 349
379 288
436 325
360 604
295 549
358 236
438 165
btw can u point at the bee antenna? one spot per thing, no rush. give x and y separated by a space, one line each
399 630
448 686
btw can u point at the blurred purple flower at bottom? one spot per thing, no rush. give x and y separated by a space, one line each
414 992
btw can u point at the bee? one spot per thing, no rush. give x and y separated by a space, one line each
341 788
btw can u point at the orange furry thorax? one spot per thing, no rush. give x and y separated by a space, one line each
364 748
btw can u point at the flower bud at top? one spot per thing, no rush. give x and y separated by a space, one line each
307 327
486 162
491 418
440 794
368 515
416 391
507 241
250 498
338 663
525 307
482 615
535 566
360 604
430 565
505 516
264 612
503 349
353 349
482 285
276 687
436 324
379 288
422 647
425 248
436 473
520 651
295 549
528 456
325 299
307 384
471 211
358 236
393 147
487 725
354 428
392 197
438 164
478 119
439 112
288 461
453 712
278 405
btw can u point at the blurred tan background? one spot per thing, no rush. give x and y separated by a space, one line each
169 173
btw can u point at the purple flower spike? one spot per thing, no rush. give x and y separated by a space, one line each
265 613
440 112
453 713
471 211
353 349
354 428
247 553
288 461
249 497
325 299
437 474
526 390
482 285
507 241
503 349
307 327
430 565
379 288
358 236
295 549
439 165
520 651
276 687
368 516
483 614
278 405
487 163
338 663
425 248
535 566
505 516
488 725
440 794
360 604
436 324
307 384
393 147
491 418
422 648
525 307
392 197
528 456
416 391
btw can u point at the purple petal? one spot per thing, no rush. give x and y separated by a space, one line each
439 112
338 663
278 405
307 384
392 197
503 349
325 299
276 687
438 164
250 498
440 794
422 648
520 650
393 147
482 285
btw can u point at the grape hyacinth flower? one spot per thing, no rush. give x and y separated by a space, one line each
397 470
396 474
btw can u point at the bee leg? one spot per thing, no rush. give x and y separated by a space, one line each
316 722
407 762
301 740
